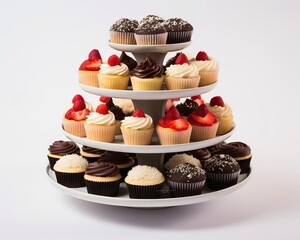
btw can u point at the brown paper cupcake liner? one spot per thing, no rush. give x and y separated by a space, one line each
74 127
185 189
208 77
109 189
244 165
70 180
144 192
122 37
52 161
200 133
151 39
219 181
179 37
100 133
173 83
89 78
113 81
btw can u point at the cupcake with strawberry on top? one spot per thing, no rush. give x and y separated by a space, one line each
205 124
173 128
73 120
198 99
89 69
113 74
182 75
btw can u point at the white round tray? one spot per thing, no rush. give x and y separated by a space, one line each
123 199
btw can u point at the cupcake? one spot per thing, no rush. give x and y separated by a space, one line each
61 148
128 61
205 124
102 178
74 119
171 61
240 151
77 97
122 31
144 182
125 104
208 68
113 74
172 102
222 171
178 30
223 112
137 129
187 107
69 170
181 75
173 128
198 99
89 69
91 154
101 125
123 161
150 33
148 75
202 154
186 180
180 158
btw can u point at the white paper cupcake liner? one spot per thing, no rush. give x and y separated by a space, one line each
145 84
122 37
173 137
74 127
173 83
113 81
200 133
151 39
89 78
137 137
100 133
208 77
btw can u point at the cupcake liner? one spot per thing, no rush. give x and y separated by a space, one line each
225 125
146 83
100 133
167 137
173 83
137 137
113 81
208 77
185 189
70 180
109 189
151 39
200 133
179 37
122 37
74 127
244 165
89 78
144 192
219 181
52 161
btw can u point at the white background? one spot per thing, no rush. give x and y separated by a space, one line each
257 44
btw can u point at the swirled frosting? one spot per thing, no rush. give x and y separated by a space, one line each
138 123
130 62
187 107
219 111
148 69
208 65
102 169
234 149
62 148
115 157
184 70
92 150
100 119
116 110
121 70
202 154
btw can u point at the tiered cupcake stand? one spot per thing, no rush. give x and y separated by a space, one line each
152 103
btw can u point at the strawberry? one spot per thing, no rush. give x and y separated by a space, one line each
80 115
181 59
77 97
138 113
90 65
217 100
196 97
208 120
172 113
68 114
163 122
113 60
202 110
79 105
94 54
178 124
102 109
202 56
104 99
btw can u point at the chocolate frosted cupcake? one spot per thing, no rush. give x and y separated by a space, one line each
240 151
178 30
148 75
91 154
151 18
150 32
122 31
130 62
118 112
186 180
202 154
123 161
187 107
61 148
102 178
222 171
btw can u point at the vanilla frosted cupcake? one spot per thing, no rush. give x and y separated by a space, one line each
70 169
223 112
113 74
101 125
181 158
182 75
137 129
144 182
208 68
